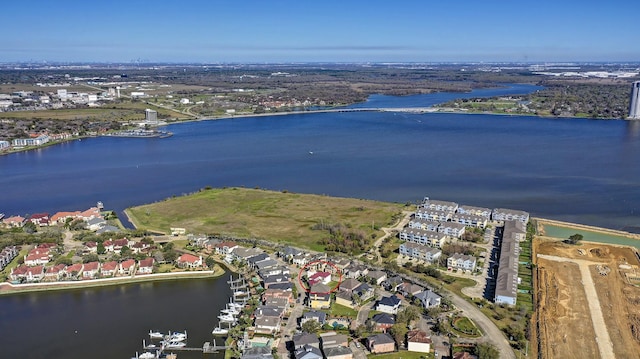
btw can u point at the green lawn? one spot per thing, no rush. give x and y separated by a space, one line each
254 213
338 310
402 355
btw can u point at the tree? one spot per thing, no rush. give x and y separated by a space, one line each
408 314
399 331
64 260
125 251
487 351
575 238
311 326
210 262
91 257
101 249
29 227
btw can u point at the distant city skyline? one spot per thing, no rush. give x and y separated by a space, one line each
328 31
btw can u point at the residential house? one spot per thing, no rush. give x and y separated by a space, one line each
345 298
145 266
349 285
380 343
338 353
503 214
127 267
283 285
90 270
420 252
392 284
429 299
190 261
139 247
40 219
277 270
389 305
376 276
462 262
61 217
90 214
109 269
257 353
320 296
333 339
318 316
265 264
320 277
271 280
96 223
408 289
355 271
382 322
13 221
301 259
308 352
470 220
303 339
267 324
363 292
424 237
92 247
452 229
282 303
507 278
118 244
74 271
55 273
433 215
251 261
271 293
418 341
38 256
478 211
424 224
438 205
27 274
109 228
242 253
7 255
225 248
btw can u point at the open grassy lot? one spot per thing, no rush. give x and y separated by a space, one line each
404 354
255 213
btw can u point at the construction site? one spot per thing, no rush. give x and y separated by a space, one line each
587 300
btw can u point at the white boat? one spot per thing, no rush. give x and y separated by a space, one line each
237 306
230 310
219 331
148 355
155 335
174 344
177 336
227 318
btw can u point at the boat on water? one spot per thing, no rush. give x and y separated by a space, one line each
230 310
176 336
148 355
174 344
219 331
227 318
156 335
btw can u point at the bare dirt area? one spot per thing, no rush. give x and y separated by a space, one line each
574 321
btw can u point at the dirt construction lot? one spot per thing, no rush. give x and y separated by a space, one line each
588 301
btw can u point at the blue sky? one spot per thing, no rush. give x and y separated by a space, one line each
319 31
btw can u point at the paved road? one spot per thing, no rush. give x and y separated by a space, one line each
605 346
389 231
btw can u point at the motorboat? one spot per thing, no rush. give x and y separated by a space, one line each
219 331
155 335
177 336
148 355
227 318
230 310
174 344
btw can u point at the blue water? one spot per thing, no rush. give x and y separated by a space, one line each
577 170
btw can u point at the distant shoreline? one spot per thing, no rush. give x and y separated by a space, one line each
7 288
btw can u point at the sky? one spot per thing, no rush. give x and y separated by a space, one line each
268 31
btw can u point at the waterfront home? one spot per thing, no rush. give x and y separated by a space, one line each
90 270
257 353
62 217
96 223
435 204
282 303
271 280
320 296
478 211
251 261
462 262
318 316
109 269
39 219
55 273
225 248
277 270
265 264
503 214
380 343
13 221
267 325
389 305
127 267
308 352
271 293
420 252
376 276
242 253
283 285
418 341
302 339
73 271
382 322
424 237
90 214
189 261
145 266
108 228
429 299
7 255
268 311
26 273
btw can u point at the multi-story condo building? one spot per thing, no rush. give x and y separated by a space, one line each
420 252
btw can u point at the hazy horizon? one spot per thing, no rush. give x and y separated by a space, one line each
198 31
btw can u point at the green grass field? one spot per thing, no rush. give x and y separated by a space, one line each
255 213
